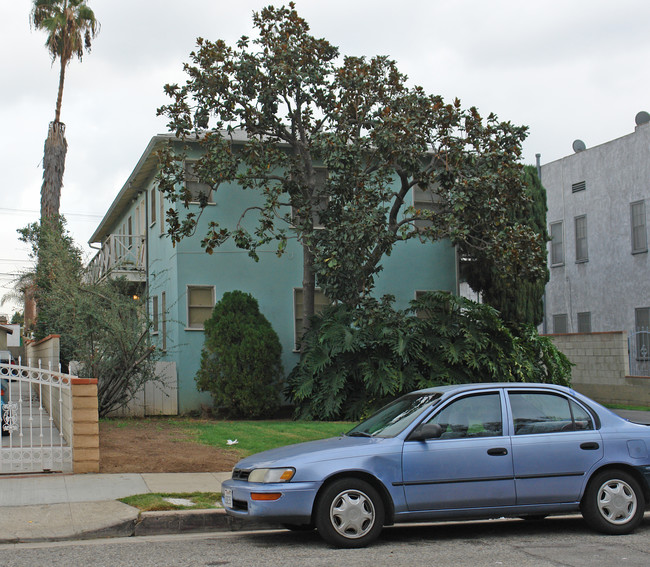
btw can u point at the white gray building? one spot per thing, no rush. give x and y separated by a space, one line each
598 254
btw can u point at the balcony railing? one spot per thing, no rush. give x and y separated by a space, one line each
120 256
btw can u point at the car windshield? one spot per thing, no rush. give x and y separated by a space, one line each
395 417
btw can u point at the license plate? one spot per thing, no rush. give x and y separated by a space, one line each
226 495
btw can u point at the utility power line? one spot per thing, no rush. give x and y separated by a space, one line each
7 210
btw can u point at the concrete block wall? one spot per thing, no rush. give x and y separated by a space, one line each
85 418
46 350
602 368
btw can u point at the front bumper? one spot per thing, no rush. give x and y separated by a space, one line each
294 505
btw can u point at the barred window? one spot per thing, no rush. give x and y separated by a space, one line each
557 243
582 254
639 235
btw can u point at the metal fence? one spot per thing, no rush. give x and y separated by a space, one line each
36 419
639 350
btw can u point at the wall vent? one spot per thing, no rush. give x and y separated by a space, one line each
580 186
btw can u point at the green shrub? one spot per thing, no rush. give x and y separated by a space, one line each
241 358
355 360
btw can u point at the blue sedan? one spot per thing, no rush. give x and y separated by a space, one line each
454 453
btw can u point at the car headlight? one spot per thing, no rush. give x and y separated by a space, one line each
271 475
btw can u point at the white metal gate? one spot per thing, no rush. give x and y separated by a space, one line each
36 419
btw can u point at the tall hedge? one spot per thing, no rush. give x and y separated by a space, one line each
241 362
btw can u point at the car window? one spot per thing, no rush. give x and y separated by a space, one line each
471 416
395 417
538 412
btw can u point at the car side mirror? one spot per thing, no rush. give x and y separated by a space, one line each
426 431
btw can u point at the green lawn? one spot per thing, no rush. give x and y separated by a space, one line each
156 502
255 436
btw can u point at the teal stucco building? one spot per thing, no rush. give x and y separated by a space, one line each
183 283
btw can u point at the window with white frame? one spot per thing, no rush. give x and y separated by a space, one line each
161 208
200 302
557 243
582 254
320 302
195 186
422 313
152 205
154 315
639 234
163 309
425 200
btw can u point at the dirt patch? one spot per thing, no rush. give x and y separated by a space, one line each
153 447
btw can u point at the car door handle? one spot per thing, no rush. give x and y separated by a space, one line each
498 451
592 446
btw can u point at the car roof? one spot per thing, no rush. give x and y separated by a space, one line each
454 388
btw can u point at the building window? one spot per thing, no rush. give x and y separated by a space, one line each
200 302
581 239
560 324
163 309
580 186
154 315
199 189
422 313
320 302
161 208
425 200
639 235
557 243
584 322
152 205
129 222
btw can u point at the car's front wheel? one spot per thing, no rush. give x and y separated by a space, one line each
613 503
349 513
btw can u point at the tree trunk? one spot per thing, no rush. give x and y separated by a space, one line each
308 290
59 96
54 154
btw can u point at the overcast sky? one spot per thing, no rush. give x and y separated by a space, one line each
565 68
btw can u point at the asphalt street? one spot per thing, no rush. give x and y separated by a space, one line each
555 542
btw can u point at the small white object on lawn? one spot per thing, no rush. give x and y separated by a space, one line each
231 442
179 501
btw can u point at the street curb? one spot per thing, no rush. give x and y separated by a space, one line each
153 523
193 521
180 521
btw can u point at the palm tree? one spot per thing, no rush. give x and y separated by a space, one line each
70 26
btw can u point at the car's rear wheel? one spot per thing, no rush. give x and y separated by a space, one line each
613 503
349 513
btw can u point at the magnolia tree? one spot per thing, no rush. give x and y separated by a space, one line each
303 107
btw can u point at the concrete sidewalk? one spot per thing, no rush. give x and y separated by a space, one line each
60 507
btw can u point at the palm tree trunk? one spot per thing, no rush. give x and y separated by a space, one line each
59 96
54 154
